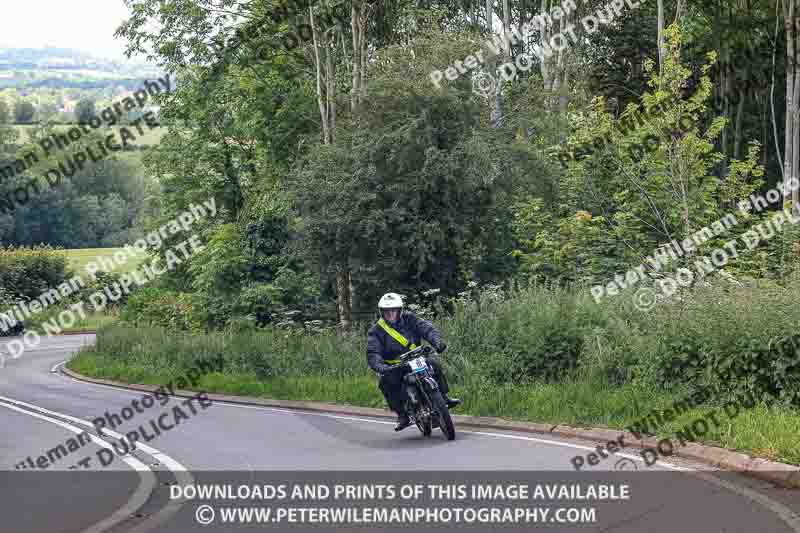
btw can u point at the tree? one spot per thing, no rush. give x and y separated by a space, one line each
5 115
414 191
85 111
23 112
791 147
647 198
47 112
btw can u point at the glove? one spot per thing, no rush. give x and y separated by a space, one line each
382 369
441 347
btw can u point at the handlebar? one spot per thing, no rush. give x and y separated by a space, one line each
416 352
413 354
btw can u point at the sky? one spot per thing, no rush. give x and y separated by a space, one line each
86 25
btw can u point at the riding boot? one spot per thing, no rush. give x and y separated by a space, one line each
402 422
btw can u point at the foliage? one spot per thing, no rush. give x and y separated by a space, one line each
85 111
26 272
154 306
647 180
415 193
23 112
103 204
724 343
735 341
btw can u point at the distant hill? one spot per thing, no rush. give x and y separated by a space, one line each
55 68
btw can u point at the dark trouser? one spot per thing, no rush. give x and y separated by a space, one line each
393 388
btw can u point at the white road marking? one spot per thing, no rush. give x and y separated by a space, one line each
146 485
41 348
485 433
169 462
180 472
789 517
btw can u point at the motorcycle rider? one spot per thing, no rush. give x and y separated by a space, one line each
396 333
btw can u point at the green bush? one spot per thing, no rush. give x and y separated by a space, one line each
264 353
28 272
736 341
258 301
510 341
154 306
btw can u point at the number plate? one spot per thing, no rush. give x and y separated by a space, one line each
418 365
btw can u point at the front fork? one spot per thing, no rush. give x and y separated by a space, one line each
418 398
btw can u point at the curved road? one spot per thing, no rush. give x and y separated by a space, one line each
43 412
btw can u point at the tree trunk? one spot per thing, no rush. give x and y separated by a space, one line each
725 87
661 36
323 98
563 97
324 46
789 156
344 305
358 26
544 68
498 101
330 75
764 126
796 128
356 58
737 135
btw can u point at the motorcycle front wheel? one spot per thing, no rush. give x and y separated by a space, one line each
424 425
445 421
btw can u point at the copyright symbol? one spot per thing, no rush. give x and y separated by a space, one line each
644 299
484 84
626 464
204 515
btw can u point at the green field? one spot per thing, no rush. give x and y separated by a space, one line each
78 259
149 138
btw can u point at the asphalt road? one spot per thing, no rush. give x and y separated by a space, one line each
235 445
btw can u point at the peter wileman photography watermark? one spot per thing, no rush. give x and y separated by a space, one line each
126 444
112 293
650 423
699 427
68 165
645 298
265 44
485 84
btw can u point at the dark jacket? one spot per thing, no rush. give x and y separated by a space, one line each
381 346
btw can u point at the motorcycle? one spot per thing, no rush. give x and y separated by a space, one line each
424 402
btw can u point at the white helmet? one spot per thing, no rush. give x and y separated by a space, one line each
391 300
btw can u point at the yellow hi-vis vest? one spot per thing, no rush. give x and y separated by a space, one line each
396 336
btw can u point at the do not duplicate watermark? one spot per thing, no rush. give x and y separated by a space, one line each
711 262
66 166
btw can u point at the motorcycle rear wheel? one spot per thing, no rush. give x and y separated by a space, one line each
445 421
